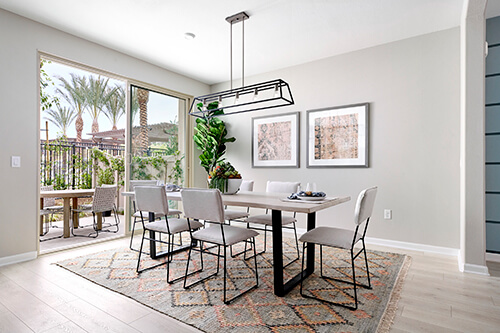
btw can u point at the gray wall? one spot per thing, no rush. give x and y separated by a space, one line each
413 90
19 128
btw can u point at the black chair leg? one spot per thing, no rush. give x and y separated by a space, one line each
353 283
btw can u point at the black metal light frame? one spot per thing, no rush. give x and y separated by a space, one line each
282 91
229 100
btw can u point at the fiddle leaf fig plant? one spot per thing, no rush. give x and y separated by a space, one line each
211 137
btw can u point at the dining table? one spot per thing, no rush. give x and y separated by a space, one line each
277 203
69 197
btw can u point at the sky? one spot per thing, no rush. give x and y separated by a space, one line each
161 108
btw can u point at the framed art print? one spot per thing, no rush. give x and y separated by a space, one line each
275 141
338 136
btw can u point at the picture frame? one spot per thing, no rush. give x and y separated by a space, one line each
275 141
338 136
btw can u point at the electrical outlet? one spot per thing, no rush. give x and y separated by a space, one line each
15 161
387 214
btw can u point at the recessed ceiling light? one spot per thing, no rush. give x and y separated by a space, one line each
189 35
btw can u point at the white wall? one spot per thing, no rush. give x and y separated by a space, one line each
20 39
413 87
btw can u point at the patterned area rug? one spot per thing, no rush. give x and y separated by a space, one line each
260 310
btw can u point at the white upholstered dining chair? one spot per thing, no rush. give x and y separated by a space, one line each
201 204
137 214
286 220
154 199
344 239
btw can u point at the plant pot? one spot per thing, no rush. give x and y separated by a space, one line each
233 186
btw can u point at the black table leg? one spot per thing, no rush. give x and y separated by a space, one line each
311 224
280 288
152 237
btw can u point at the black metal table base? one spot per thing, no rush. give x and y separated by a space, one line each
156 255
281 288
152 244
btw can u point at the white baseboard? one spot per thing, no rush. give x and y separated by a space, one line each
413 246
18 258
493 257
476 269
400 245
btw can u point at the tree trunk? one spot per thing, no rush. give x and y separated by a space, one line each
142 98
95 125
79 127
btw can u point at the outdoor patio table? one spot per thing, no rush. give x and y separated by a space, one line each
66 195
277 203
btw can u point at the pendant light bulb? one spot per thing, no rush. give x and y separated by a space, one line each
276 91
237 98
220 102
255 95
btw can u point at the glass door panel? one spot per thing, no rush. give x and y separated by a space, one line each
157 142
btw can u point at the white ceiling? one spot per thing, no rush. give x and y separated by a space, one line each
279 33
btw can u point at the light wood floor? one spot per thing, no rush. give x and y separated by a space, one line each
36 296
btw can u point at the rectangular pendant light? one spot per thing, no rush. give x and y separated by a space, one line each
260 96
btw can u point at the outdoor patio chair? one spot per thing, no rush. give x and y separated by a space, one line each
207 205
286 220
154 199
103 201
49 209
344 239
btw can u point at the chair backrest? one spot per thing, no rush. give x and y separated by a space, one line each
203 204
282 187
246 185
151 199
47 202
364 205
134 183
104 199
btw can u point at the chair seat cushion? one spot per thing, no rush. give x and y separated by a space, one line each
330 236
175 226
146 214
268 220
232 235
234 214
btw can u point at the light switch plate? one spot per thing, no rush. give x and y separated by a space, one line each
16 161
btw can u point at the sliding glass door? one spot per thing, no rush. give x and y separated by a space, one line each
157 136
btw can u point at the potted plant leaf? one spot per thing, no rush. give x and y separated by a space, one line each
225 178
211 137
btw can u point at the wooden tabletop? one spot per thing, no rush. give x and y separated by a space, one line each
274 201
66 193
269 201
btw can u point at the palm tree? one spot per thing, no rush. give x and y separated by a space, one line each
115 105
62 117
74 91
134 105
142 98
96 99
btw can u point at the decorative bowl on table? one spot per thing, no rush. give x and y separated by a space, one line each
172 188
311 196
